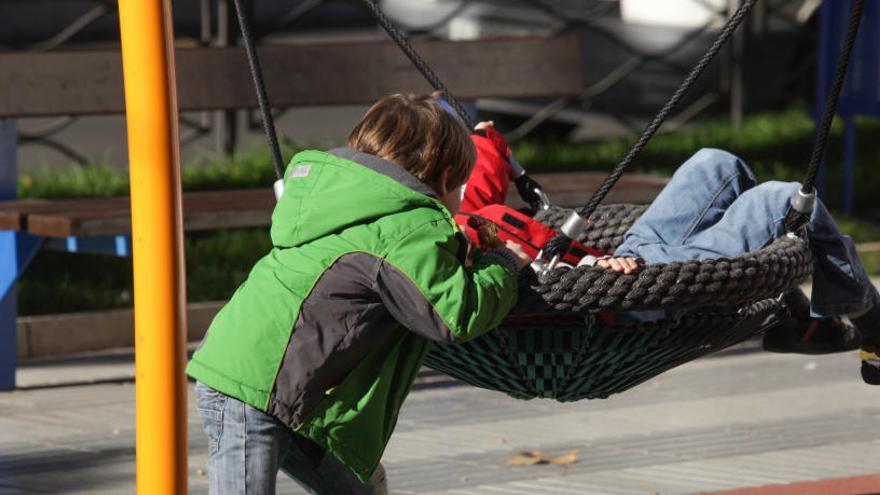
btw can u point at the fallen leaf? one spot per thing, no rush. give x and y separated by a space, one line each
537 457
566 458
527 458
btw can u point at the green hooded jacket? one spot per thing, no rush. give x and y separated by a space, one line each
329 330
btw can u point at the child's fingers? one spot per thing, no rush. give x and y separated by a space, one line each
615 264
520 253
608 264
621 265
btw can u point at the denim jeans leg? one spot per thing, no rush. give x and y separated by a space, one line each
753 220
840 284
326 475
696 197
245 444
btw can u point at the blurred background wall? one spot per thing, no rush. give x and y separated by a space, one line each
635 53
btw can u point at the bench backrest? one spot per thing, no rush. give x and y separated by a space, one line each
297 74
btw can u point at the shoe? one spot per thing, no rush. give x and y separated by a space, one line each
868 325
803 334
870 355
812 336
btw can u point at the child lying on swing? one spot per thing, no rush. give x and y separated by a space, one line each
711 208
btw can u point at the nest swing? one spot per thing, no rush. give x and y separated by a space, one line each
553 345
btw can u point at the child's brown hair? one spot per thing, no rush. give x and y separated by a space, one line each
415 133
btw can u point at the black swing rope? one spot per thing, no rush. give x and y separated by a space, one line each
667 109
559 244
795 219
529 190
833 96
798 215
604 360
398 37
260 87
753 277
561 241
774 269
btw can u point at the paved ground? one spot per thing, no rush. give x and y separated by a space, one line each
742 420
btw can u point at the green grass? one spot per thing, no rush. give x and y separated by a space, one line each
216 263
782 138
777 145
862 231
250 169
89 181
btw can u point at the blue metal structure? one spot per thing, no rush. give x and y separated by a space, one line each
8 258
861 90
17 249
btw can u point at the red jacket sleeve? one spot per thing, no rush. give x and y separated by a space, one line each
518 227
490 179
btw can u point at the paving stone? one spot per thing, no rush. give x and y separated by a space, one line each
726 422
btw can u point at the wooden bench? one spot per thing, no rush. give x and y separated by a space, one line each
298 73
208 210
212 210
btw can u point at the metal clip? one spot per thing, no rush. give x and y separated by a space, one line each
278 187
541 267
545 201
574 226
803 202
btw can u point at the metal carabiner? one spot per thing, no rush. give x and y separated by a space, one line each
541 267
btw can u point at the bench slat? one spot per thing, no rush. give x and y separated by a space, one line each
201 210
14 214
297 74
253 207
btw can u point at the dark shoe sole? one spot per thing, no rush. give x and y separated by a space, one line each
807 348
772 343
870 370
784 340
870 374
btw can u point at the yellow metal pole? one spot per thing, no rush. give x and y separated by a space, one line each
159 297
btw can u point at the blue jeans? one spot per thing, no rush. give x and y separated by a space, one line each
713 208
247 447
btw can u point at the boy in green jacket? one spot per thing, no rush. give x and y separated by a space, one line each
306 367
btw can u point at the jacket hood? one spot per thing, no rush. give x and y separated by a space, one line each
327 192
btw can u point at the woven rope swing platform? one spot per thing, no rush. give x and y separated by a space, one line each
574 334
554 346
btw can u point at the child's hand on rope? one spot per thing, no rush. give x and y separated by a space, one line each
522 258
487 234
623 265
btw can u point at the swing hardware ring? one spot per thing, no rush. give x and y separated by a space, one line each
542 196
803 202
574 226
